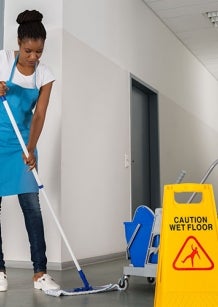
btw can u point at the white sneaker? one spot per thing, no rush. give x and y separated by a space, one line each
46 283
3 282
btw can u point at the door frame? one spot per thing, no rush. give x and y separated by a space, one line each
154 140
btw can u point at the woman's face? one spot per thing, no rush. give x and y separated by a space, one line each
30 51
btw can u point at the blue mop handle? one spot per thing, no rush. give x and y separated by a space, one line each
41 187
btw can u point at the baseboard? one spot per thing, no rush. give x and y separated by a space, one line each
68 264
94 260
28 265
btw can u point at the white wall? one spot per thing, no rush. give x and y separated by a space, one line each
95 137
102 42
129 34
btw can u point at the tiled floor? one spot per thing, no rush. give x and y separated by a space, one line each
22 294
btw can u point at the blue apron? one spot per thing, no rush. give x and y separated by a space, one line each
15 178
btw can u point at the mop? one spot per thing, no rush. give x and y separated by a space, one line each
87 288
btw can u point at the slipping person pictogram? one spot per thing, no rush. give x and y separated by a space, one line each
192 255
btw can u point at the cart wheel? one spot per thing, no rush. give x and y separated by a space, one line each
151 280
123 282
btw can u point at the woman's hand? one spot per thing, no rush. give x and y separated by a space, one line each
30 161
3 88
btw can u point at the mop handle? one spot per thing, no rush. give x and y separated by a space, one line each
40 185
208 172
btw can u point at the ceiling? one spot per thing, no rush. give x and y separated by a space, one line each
187 19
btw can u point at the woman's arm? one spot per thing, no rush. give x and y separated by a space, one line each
37 123
3 88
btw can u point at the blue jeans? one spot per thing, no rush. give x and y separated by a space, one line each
29 203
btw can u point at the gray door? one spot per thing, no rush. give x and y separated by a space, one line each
145 184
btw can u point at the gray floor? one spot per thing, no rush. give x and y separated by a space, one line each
22 294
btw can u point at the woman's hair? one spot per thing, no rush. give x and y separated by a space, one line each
30 25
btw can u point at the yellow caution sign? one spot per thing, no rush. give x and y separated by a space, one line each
187 273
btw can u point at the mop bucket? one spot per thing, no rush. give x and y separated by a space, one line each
138 234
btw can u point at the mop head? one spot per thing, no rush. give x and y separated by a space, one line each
81 291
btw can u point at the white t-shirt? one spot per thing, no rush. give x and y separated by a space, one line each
43 74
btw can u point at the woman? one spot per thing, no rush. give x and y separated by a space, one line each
27 85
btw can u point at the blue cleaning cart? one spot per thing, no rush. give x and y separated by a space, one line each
142 236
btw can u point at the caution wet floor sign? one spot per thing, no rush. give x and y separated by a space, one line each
187 274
